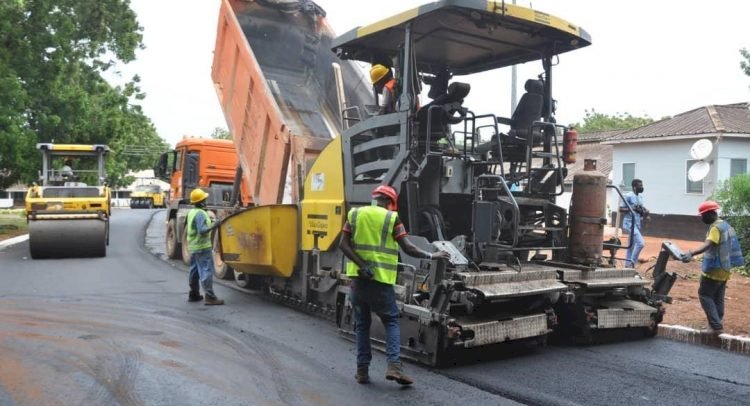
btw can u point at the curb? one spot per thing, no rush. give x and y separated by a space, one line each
726 342
13 241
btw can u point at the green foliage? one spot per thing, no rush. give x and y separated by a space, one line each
733 195
221 134
595 121
745 62
52 58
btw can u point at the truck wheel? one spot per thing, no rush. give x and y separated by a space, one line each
185 251
242 279
221 269
174 248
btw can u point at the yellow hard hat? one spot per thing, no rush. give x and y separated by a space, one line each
378 72
197 196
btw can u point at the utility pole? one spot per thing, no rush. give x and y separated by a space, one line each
513 80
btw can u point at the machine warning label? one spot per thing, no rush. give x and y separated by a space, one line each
318 182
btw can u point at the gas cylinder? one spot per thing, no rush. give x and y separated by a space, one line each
586 218
570 145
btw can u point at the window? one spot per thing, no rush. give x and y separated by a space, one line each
737 167
628 174
692 187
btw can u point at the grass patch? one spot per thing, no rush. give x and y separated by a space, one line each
12 223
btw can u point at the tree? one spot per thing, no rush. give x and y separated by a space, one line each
52 57
595 121
733 195
745 62
221 134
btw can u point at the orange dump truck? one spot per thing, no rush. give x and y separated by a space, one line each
210 164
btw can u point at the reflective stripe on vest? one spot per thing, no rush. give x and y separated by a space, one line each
196 241
372 239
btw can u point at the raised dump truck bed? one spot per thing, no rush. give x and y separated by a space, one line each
274 76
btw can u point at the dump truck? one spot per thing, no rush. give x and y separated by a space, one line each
479 185
148 196
68 210
205 163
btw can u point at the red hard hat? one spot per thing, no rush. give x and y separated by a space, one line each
389 192
707 206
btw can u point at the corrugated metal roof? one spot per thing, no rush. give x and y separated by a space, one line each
727 119
599 135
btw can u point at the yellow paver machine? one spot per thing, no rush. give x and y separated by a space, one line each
68 211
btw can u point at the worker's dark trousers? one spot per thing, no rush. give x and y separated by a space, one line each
369 297
711 294
202 270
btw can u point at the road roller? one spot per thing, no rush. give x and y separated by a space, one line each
68 209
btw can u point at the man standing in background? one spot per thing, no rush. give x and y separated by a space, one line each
631 224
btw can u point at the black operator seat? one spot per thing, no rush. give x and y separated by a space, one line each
528 110
449 112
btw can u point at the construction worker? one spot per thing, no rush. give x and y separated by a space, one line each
384 83
370 240
632 222
199 226
67 171
721 252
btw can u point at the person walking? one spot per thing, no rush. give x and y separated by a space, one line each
382 79
370 240
199 226
721 252
632 222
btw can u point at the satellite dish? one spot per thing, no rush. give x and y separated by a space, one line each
701 149
698 170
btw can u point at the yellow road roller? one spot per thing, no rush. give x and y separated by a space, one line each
68 210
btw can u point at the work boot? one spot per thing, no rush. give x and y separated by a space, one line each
363 375
194 297
212 300
395 372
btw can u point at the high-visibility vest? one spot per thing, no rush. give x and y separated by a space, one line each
372 239
719 260
195 240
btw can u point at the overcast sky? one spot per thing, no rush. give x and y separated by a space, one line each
654 58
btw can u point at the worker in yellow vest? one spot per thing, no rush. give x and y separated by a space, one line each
370 240
199 228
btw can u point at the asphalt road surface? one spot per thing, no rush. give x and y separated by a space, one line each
118 330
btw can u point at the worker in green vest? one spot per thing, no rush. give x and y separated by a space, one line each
199 226
370 240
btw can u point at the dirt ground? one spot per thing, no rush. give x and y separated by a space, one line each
685 309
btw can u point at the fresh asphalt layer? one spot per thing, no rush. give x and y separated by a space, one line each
117 330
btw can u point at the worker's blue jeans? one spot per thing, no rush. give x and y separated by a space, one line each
202 269
711 295
369 297
631 256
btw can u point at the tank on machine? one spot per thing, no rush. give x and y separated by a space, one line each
68 211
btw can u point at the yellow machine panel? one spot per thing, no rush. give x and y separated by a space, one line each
323 209
261 240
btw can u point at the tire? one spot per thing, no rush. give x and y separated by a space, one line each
185 251
242 280
174 248
221 269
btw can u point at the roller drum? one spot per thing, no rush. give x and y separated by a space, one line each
68 238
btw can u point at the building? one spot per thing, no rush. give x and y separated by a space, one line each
659 154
